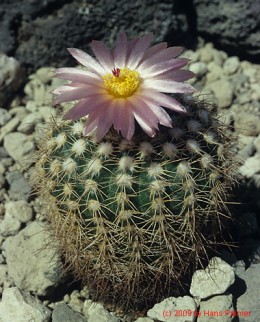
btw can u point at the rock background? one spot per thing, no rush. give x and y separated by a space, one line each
36 33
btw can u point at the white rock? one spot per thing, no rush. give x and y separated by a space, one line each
215 72
9 127
231 65
102 315
9 226
19 147
144 320
17 306
28 123
218 308
251 166
19 210
4 116
257 144
199 68
172 309
217 277
223 91
38 266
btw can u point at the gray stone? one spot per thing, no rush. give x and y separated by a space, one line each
11 77
63 313
233 24
218 308
9 225
102 315
4 116
247 123
28 123
251 166
199 68
223 91
19 186
231 65
248 302
17 306
217 277
38 268
144 320
9 127
19 210
164 311
20 148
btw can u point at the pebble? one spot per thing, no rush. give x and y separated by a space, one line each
9 127
30 246
251 166
28 123
20 148
144 320
215 72
217 277
63 313
164 311
247 123
217 308
199 68
10 226
102 315
248 302
18 306
20 188
4 116
223 91
20 210
231 65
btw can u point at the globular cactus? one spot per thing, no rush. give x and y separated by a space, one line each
132 218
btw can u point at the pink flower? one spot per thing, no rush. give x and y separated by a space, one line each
123 85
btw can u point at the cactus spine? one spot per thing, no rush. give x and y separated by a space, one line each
132 218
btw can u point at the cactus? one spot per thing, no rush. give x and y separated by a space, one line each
132 218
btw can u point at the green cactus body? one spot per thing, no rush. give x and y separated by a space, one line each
132 218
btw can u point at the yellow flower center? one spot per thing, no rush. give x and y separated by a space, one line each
122 82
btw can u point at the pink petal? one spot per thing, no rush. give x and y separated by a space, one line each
78 75
138 51
162 56
87 61
161 99
154 50
162 116
168 86
144 115
176 75
120 51
67 93
103 55
124 119
88 105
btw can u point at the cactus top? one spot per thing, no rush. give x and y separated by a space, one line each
124 85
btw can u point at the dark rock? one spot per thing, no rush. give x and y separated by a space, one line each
38 33
233 25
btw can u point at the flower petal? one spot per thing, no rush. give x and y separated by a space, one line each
87 61
86 106
78 75
176 75
68 93
124 119
154 50
120 51
162 56
144 115
162 100
138 51
168 86
103 55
